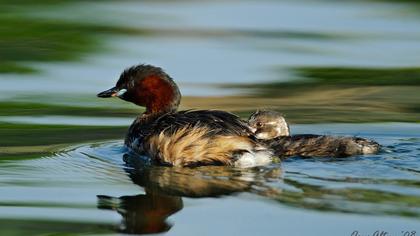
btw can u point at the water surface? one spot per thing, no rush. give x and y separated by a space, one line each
334 65
96 188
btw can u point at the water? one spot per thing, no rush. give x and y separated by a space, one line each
204 43
64 169
95 188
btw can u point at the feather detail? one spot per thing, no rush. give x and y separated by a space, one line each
191 145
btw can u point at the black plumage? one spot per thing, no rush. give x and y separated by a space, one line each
217 122
311 145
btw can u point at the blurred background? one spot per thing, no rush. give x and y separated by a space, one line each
315 61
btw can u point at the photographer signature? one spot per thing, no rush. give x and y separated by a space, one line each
384 233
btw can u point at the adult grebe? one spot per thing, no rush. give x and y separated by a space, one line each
182 138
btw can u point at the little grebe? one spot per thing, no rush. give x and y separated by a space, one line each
268 124
272 128
182 138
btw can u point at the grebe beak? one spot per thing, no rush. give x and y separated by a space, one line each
112 92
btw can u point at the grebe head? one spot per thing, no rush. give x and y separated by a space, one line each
268 124
147 86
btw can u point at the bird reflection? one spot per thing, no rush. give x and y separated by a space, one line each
142 214
165 186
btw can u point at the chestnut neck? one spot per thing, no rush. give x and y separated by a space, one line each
159 107
159 95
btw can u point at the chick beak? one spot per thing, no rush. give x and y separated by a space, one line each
112 92
253 130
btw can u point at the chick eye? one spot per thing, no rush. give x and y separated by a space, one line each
259 124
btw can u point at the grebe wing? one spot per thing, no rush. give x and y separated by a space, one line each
219 122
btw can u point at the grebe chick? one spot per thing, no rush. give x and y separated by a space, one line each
272 128
268 124
182 138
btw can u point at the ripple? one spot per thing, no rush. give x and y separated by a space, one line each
106 176
76 165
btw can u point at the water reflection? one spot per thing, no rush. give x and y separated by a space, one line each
142 214
165 186
73 184
351 200
206 181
